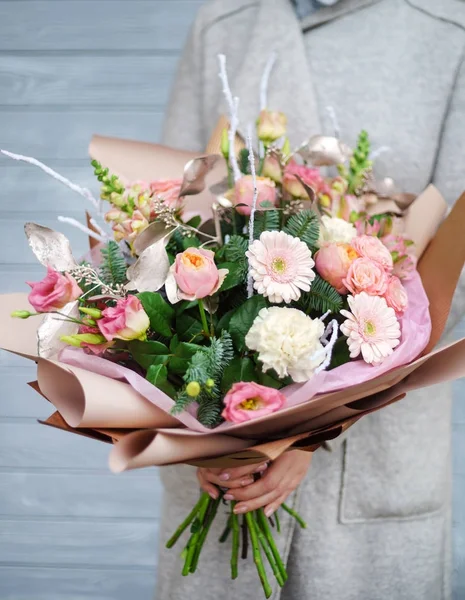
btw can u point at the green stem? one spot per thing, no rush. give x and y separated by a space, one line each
203 317
278 522
269 555
294 514
257 555
235 542
192 544
184 525
203 535
263 522
226 532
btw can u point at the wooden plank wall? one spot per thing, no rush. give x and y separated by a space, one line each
68 68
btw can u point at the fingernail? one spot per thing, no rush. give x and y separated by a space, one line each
240 509
224 476
269 512
261 468
228 497
213 495
246 481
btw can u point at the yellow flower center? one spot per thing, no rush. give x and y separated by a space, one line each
190 259
251 404
279 265
370 328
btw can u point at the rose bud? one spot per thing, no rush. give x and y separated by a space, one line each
53 292
271 125
125 321
366 275
333 262
196 274
244 190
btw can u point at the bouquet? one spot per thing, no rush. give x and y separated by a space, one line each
304 301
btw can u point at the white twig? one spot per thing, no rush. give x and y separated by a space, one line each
97 227
254 204
328 349
81 227
265 80
377 153
233 106
73 186
332 115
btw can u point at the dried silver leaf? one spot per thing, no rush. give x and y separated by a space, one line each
155 232
149 272
53 327
51 247
220 188
325 151
211 304
195 172
312 196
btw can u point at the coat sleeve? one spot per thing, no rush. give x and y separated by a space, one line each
183 124
449 175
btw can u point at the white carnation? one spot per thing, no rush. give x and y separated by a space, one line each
288 341
336 230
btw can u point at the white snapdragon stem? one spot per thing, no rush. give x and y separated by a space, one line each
233 106
254 204
82 227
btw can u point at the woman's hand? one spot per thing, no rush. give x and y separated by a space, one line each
277 482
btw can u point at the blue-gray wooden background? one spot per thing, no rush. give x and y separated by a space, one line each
69 530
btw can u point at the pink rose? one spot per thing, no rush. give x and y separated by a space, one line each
365 275
243 193
196 274
125 321
333 261
168 189
249 400
374 249
271 125
54 291
396 296
310 176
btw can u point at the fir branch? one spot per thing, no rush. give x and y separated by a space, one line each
113 268
266 220
322 297
305 226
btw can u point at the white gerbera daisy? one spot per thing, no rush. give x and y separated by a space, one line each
281 266
288 341
371 327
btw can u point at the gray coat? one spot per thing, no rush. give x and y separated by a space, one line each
378 505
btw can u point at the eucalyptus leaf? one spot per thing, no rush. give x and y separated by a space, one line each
243 319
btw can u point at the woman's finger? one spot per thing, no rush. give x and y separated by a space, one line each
233 483
271 508
258 502
239 472
206 486
263 486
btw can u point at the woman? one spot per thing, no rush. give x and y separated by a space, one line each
378 505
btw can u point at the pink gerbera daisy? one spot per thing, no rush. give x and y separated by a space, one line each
281 266
371 327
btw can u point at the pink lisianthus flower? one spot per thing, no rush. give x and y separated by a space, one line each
374 249
402 251
365 275
405 266
196 274
244 191
53 292
125 321
271 126
396 296
333 262
310 176
168 189
249 400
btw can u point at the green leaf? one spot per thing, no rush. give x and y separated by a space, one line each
160 313
269 381
235 277
195 221
305 226
149 353
267 220
223 323
179 363
341 354
158 376
174 342
243 318
321 298
190 242
243 161
187 327
239 369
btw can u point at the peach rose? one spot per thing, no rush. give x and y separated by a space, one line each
244 190
53 292
396 296
374 249
125 321
196 274
365 275
249 400
333 261
310 176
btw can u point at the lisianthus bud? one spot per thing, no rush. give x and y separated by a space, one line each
81 339
286 149
225 143
125 321
272 168
271 125
244 191
95 313
53 292
196 274
21 314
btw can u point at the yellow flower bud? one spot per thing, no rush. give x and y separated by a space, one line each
210 383
193 389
